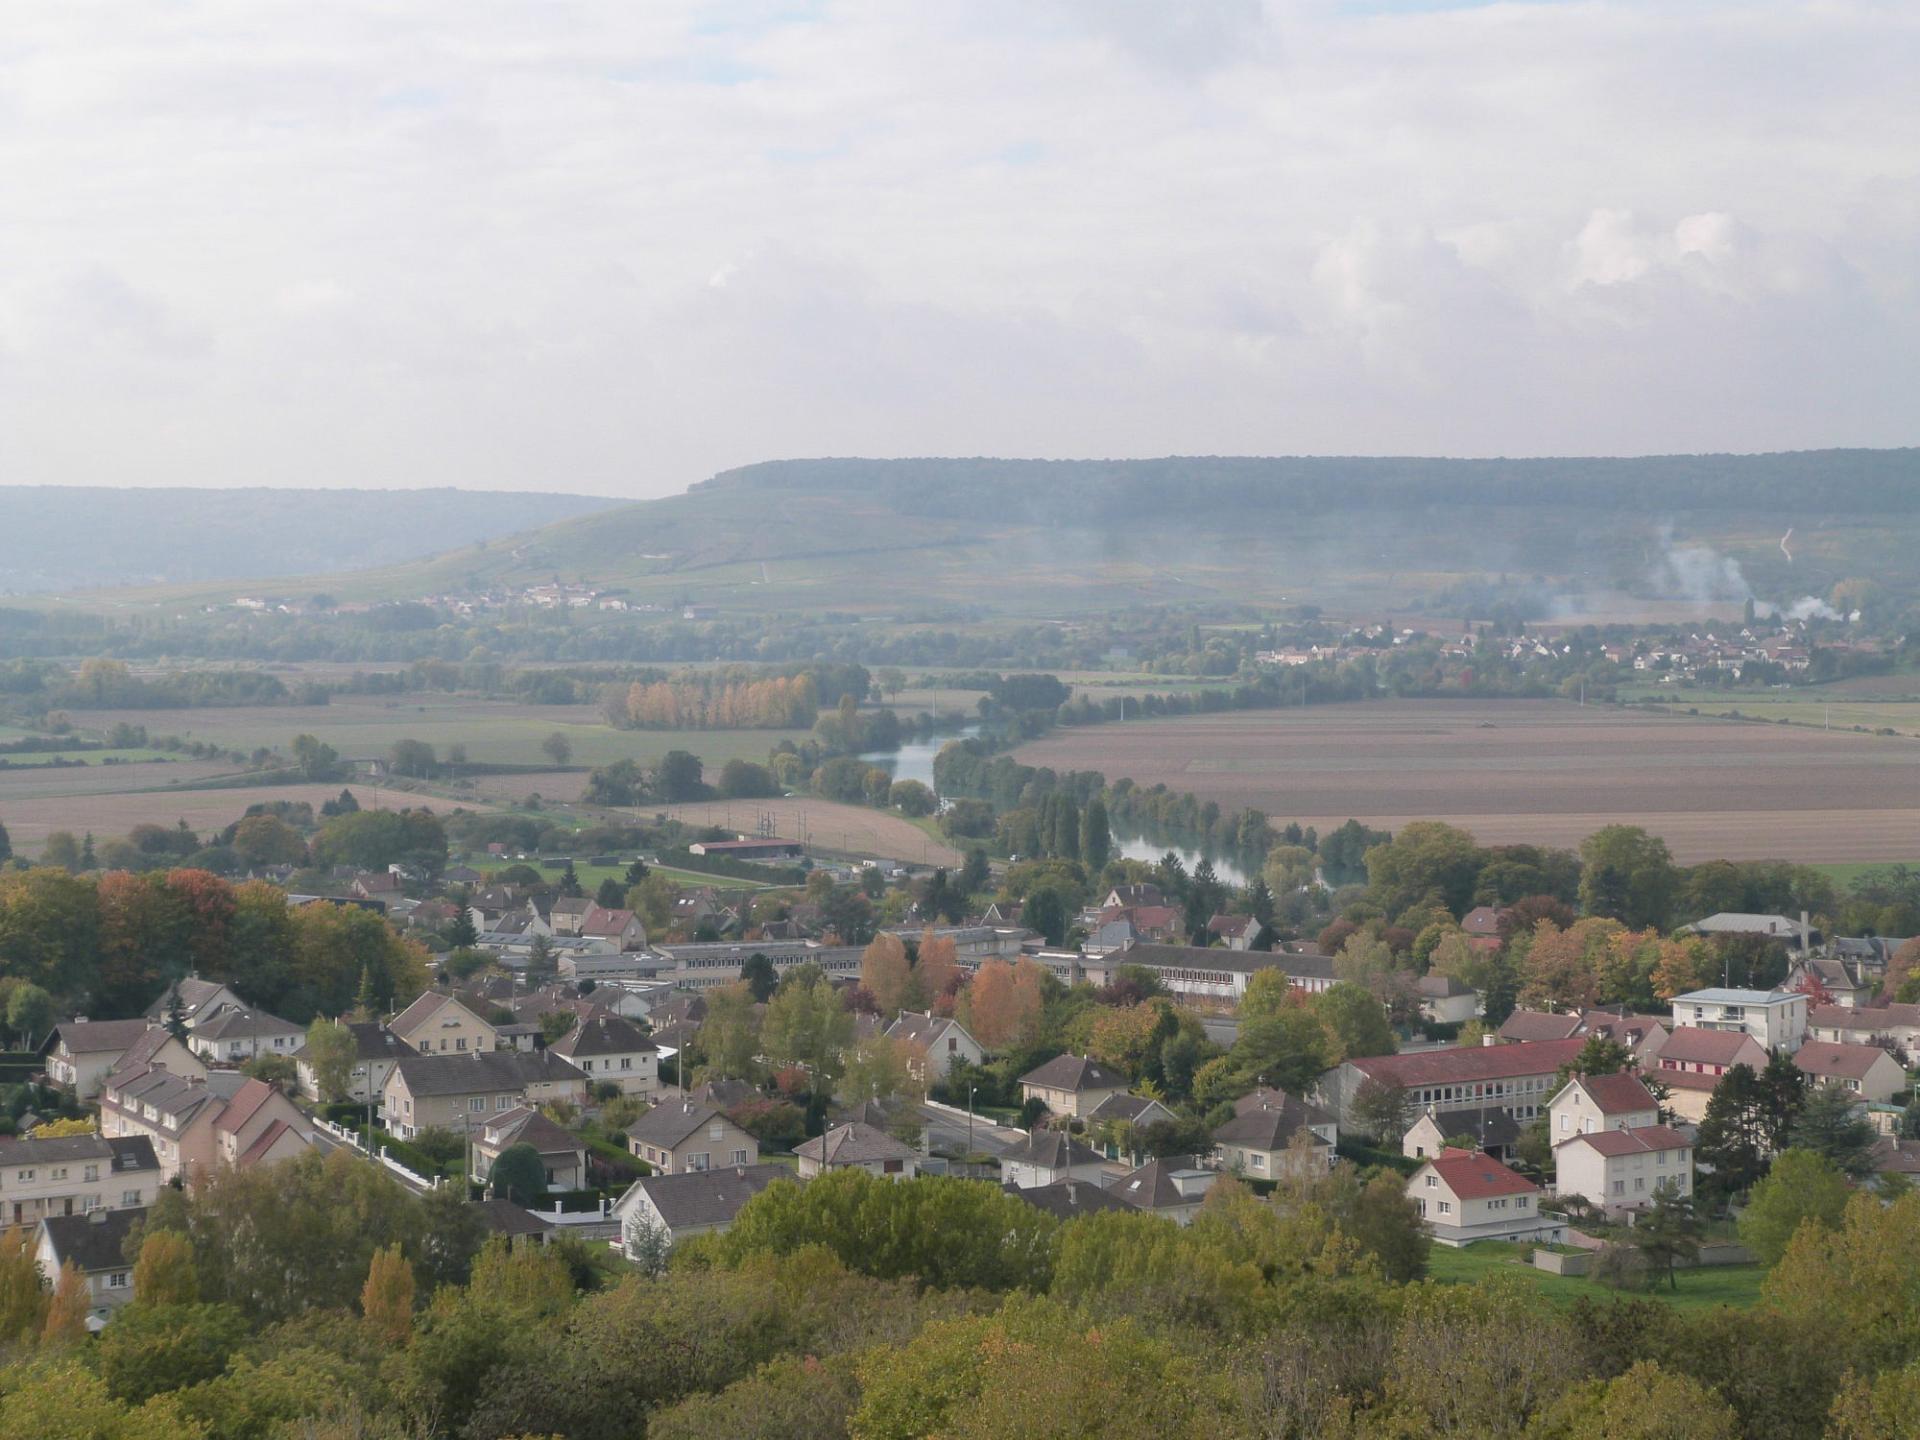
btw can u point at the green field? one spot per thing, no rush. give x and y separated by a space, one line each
1701 1289
1794 707
1845 875
29 759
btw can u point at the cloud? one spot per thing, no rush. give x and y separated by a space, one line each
438 244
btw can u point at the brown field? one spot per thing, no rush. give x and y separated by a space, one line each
1538 771
29 781
30 821
846 829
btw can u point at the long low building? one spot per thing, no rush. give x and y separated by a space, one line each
1515 1078
707 964
1194 972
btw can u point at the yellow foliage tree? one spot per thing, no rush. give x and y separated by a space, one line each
23 1301
886 974
55 1129
67 1312
387 1297
164 1274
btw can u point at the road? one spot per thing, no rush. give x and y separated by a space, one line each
947 1133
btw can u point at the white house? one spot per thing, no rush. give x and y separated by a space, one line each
236 1035
1047 1156
1777 1019
95 1244
1601 1102
937 1043
1861 1025
1466 1195
610 1050
1258 1141
662 1210
1624 1169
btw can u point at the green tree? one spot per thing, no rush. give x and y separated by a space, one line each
1801 1187
977 873
760 977
62 849
412 757
1382 1111
1355 1021
1667 1232
1832 1127
315 759
730 1035
387 1298
23 1303
1646 1403
518 1174
163 1272
677 777
1628 875
1049 909
151 1350
1733 1142
557 748
1096 836
1426 862
1288 1049
806 1025
462 933
331 1052
30 1014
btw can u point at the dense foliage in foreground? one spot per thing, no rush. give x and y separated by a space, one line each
317 1301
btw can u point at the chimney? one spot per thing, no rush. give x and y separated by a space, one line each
1806 935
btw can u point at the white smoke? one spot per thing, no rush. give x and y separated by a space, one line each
1697 572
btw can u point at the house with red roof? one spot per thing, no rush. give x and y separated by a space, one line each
1482 927
1692 1061
1624 1169
1467 1195
1516 1079
1589 1103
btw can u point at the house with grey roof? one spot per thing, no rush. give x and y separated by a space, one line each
936 1041
74 1175
95 1244
1259 1141
612 1051
1069 1199
462 1092
659 1211
199 1000
684 1135
1166 1188
1071 1085
82 1053
376 1050
1048 1156
563 1155
856 1146
237 1034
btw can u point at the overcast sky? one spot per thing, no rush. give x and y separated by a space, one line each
616 247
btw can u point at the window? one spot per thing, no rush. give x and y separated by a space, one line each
1566 1123
59 1172
92 1172
1639 1184
25 1175
502 1102
1432 1180
478 1102
1521 1202
702 1161
739 1157
1619 1187
461 1043
1446 1207
117 1280
129 1199
626 1062
892 1167
715 1130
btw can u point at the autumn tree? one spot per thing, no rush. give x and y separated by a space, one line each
164 1272
387 1298
936 971
1004 1004
331 1051
67 1308
887 974
879 1068
23 1303
730 1035
1802 1187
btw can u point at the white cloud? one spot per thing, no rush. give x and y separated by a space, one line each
615 247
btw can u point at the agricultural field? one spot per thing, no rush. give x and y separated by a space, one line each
839 829
29 821
1822 709
1533 771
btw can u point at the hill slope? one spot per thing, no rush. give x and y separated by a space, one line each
1022 537
65 537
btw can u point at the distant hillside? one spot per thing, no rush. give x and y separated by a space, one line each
69 537
1024 537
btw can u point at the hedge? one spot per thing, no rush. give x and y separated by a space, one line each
1360 1152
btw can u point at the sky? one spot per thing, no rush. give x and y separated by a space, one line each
616 247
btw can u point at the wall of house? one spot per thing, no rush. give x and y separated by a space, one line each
1574 1113
1581 1170
452 1030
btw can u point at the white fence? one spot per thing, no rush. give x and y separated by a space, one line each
352 1139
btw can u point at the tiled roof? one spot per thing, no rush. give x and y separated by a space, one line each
1641 1140
244 1024
1464 1064
1271 1123
524 1125
665 1126
1620 1094
1065 1199
482 1070
1075 1073
1870 1020
1051 1150
1706 1047
54 1150
95 1241
1471 1175
94 1037
852 1144
707 1197
603 1033
1524 1025
1849 1062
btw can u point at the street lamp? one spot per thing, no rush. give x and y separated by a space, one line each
970 1090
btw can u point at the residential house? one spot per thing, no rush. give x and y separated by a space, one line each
1624 1169
1528 1027
518 1226
1127 896
238 1034
620 927
1048 1156
82 1053
1495 1132
259 1126
1516 1078
1236 932
1589 1103
856 1146
174 1113
1071 1085
1259 1141
1445 1000
1867 1024
199 1000
1191 972
1775 1018
1069 1199
1173 1192
1692 1061
679 1138
1642 1036
158 1049
1114 1125
75 1174
95 1244
563 1155
376 1049
568 913
1771 927
462 1092
1865 1070
380 885
1829 981
936 1042
1482 927
441 1024
1467 1195
612 1051
672 1208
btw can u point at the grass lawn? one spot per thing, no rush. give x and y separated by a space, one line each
1702 1289
86 757
1845 875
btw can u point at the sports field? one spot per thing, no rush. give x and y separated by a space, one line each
1534 771
823 825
